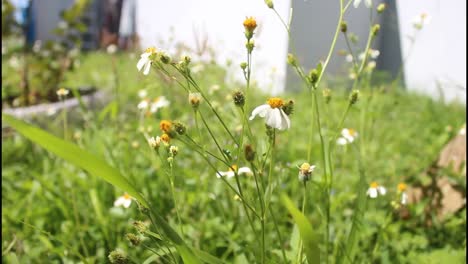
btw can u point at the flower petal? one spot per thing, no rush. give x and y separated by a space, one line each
147 68
382 190
141 63
286 123
119 202
341 141
244 170
372 192
260 110
127 202
356 3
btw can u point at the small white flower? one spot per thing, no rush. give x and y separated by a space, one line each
154 142
348 135
143 104
375 189
462 130
159 102
373 54
305 171
273 113
230 173
349 58
124 200
142 93
145 60
368 3
111 49
62 92
404 198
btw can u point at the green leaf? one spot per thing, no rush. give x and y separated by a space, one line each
97 167
308 236
207 258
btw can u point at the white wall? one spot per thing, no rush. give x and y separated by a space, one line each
221 21
439 54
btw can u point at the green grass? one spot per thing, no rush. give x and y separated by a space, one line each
55 212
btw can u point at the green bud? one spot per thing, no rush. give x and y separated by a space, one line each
134 239
292 60
344 26
269 3
243 65
239 99
354 96
179 128
140 226
166 59
250 44
186 59
381 7
313 76
288 107
375 29
326 95
118 257
249 153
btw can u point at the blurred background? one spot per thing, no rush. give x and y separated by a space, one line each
435 60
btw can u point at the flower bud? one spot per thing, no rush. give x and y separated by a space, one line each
134 240
288 107
292 60
194 100
381 7
313 76
249 153
326 95
344 26
269 3
250 44
186 59
118 257
173 150
180 128
165 125
354 97
243 65
166 59
375 29
239 99
140 226
249 24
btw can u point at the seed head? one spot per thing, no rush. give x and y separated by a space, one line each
249 153
118 257
353 97
134 239
180 128
344 26
239 99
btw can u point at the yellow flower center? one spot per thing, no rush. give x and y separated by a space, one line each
126 196
374 185
305 167
351 132
233 168
165 138
423 16
165 125
250 24
401 187
150 50
275 102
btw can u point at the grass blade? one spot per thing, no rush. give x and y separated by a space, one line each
97 167
308 236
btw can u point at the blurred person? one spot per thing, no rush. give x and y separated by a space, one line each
127 26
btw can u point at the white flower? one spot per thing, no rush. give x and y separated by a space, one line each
143 104
375 189
194 99
142 93
305 171
273 113
124 200
159 102
368 3
154 142
404 198
230 173
111 49
62 92
145 60
373 54
348 135
349 58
